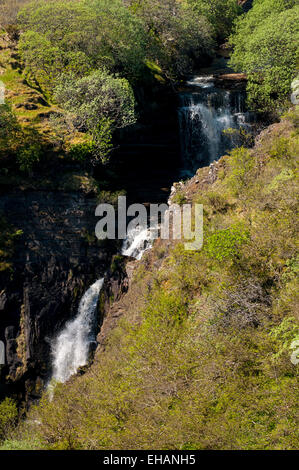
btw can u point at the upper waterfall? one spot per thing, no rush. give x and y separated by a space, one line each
70 349
204 113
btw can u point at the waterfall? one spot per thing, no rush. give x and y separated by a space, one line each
137 242
205 112
71 348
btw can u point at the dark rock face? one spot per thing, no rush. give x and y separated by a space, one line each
246 5
53 265
147 156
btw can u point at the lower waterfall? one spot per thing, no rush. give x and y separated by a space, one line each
71 348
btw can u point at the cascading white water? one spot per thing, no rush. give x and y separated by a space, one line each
203 116
70 349
137 242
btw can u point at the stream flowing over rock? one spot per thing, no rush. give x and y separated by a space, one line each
45 327
70 349
205 112
53 264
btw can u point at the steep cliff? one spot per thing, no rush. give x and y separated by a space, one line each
52 265
202 336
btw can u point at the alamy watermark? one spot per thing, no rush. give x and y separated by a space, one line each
295 91
295 352
2 93
2 354
160 221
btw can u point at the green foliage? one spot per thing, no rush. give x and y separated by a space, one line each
217 201
179 198
17 143
286 333
102 31
178 36
102 139
13 444
241 164
239 137
98 103
220 13
8 417
265 47
283 148
81 152
96 97
29 156
225 244
293 116
8 121
46 62
7 238
9 130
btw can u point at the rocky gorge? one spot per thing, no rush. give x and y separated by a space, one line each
57 257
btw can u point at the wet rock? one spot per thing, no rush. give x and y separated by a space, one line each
53 264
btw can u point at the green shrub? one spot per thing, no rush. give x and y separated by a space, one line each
81 152
241 164
280 148
8 417
225 244
265 47
179 198
220 13
7 237
96 33
29 156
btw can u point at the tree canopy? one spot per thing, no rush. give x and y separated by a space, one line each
266 48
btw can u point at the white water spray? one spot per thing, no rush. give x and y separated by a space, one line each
203 117
137 242
70 349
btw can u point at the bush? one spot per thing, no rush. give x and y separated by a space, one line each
45 62
241 165
8 417
98 104
9 128
178 36
179 198
29 156
225 244
265 47
220 13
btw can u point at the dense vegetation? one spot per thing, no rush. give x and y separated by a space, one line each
266 48
115 47
206 338
118 45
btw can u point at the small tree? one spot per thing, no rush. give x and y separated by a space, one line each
97 104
